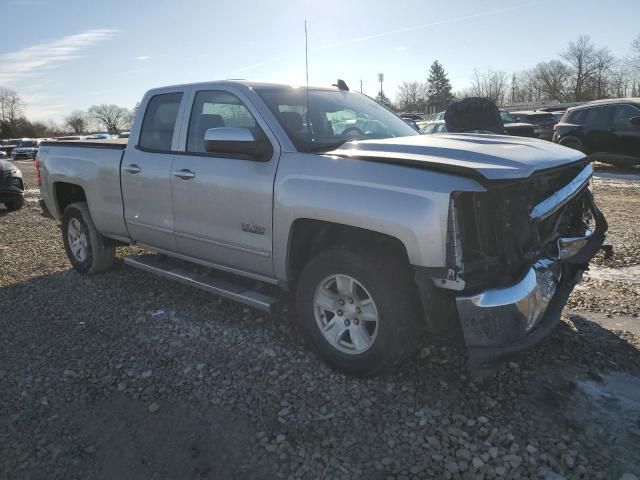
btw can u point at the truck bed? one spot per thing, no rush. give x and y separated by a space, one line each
114 143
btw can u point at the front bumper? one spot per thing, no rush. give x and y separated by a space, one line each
21 155
499 322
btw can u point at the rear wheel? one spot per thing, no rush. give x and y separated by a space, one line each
14 205
88 251
358 309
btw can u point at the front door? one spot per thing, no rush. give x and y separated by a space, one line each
146 175
627 135
223 203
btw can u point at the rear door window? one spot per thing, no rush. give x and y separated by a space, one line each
599 117
160 121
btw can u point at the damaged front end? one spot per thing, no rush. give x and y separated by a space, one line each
515 252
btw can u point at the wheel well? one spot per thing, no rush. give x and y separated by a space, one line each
309 237
68 193
570 139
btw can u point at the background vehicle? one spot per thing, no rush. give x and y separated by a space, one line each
606 130
69 137
98 136
544 120
379 233
11 186
520 129
8 145
26 149
430 128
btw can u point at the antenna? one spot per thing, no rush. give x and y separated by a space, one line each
306 66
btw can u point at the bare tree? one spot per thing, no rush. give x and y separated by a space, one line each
580 56
492 84
76 121
634 59
11 105
409 97
112 117
551 80
603 63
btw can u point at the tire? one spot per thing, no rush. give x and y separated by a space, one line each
572 143
14 205
387 281
98 253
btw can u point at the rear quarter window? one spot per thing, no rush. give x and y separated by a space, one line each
577 117
160 121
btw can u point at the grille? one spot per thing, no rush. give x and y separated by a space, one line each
498 239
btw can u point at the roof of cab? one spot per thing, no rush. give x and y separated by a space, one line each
247 83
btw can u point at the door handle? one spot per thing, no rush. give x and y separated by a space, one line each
132 168
184 174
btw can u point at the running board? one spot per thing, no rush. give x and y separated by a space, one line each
204 279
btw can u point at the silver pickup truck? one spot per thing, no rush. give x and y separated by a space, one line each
382 236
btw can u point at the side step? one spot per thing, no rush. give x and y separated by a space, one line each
205 279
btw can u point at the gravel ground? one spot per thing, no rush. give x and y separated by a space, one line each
125 375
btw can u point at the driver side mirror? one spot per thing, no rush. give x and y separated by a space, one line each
237 141
635 121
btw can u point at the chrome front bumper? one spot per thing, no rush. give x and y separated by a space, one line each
505 314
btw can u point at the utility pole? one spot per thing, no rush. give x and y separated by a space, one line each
381 79
360 85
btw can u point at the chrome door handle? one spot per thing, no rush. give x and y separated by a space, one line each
132 168
184 174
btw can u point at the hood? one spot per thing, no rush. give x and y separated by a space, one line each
487 158
4 165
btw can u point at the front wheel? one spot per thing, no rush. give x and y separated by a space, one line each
358 309
88 251
14 205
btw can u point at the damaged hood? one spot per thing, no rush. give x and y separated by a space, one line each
487 158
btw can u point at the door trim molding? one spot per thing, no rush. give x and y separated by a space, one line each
189 236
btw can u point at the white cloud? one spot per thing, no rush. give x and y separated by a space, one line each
14 65
401 48
142 57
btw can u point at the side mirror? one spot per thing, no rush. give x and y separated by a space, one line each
238 141
635 121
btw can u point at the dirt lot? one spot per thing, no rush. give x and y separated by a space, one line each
125 375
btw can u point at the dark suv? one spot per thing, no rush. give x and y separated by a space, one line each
543 120
607 130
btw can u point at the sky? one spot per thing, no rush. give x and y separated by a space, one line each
63 55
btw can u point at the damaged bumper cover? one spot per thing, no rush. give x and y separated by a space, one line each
499 322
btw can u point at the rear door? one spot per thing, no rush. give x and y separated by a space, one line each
223 204
598 136
146 173
626 135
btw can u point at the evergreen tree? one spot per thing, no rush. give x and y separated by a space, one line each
384 100
438 87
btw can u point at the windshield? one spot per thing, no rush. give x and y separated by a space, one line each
335 117
27 143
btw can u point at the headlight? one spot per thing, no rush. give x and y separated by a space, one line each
16 182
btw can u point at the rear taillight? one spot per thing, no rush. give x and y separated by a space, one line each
37 165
